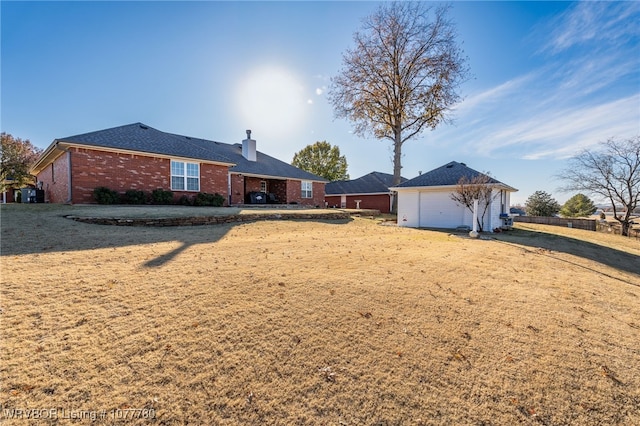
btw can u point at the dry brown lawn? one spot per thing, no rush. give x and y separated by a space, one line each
319 323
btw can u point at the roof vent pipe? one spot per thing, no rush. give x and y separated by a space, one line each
249 147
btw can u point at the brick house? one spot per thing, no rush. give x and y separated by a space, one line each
137 156
367 192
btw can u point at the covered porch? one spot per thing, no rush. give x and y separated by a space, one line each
256 190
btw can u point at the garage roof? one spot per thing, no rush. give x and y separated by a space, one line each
447 175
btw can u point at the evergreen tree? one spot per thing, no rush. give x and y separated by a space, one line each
578 206
541 204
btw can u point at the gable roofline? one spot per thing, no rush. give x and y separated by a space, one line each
47 157
447 176
373 183
141 139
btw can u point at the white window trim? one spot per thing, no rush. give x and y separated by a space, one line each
184 175
303 190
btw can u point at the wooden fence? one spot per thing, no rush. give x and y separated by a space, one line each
588 224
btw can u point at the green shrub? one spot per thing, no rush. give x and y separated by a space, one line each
204 199
104 195
134 196
185 200
160 196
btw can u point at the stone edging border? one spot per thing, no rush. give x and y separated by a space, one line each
207 220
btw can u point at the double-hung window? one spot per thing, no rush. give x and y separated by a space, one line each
307 189
185 176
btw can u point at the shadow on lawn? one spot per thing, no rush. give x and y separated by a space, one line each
38 229
190 240
608 256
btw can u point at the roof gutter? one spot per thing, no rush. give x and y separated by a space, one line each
52 152
359 194
441 187
235 172
142 153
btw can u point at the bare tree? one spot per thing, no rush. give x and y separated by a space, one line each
611 173
479 188
402 75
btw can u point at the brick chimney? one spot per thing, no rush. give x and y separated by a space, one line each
249 147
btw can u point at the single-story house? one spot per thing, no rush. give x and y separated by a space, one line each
370 191
137 156
425 201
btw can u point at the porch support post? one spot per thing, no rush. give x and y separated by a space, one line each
474 231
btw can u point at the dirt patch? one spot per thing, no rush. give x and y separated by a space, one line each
313 322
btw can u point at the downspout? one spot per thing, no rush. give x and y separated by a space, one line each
391 196
229 186
419 206
70 195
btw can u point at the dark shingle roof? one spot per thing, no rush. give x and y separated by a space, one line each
142 138
264 165
446 175
373 183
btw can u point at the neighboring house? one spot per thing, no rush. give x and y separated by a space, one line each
367 192
13 189
137 156
9 194
425 201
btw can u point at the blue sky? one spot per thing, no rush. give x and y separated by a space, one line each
548 79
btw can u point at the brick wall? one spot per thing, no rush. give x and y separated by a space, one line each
294 190
120 172
55 180
376 202
294 193
214 179
318 194
279 188
252 184
332 200
237 189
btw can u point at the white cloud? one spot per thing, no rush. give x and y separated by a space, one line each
494 94
593 21
561 133
585 93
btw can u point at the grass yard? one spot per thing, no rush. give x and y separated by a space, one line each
315 323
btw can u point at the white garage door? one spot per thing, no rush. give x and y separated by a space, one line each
438 210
